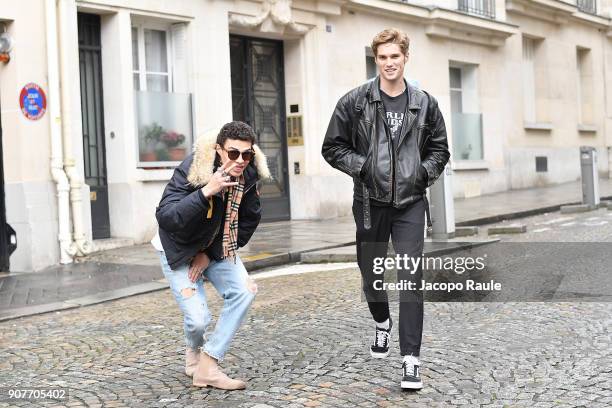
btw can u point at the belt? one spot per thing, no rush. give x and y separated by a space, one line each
427 213
367 221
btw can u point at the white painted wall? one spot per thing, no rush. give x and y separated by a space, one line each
29 191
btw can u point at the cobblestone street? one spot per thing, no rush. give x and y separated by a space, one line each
305 344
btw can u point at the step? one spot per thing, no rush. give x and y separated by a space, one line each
98 245
507 229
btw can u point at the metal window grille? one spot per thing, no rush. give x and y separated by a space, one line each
587 6
485 8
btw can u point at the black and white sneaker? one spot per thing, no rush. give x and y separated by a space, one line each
411 378
382 342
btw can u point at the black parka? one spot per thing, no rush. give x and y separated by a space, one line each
189 223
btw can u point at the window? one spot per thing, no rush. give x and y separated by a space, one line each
150 60
163 115
529 93
535 82
584 72
455 90
371 70
465 112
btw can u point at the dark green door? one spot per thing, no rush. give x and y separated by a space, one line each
6 232
258 98
94 152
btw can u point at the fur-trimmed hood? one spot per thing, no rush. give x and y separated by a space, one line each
203 163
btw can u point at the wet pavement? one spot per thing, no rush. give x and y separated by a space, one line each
135 269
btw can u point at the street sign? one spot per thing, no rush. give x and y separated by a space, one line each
33 101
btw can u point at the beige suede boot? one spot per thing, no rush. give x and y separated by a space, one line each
208 374
191 360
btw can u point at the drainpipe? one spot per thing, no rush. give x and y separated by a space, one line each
66 40
67 249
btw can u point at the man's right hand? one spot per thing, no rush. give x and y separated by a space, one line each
219 180
199 263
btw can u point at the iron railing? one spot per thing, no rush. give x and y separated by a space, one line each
587 6
485 8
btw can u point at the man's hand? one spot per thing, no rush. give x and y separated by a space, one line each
219 180
198 264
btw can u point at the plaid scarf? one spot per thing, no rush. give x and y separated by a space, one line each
230 229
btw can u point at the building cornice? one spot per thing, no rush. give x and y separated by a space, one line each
442 23
552 11
556 12
592 20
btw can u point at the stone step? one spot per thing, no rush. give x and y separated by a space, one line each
507 229
98 245
576 208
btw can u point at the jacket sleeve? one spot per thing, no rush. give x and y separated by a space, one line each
338 148
249 215
436 153
179 204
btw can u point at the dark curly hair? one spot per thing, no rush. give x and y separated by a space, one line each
236 130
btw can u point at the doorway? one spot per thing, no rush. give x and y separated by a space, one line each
258 98
7 234
92 113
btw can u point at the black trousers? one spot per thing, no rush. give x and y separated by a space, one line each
406 228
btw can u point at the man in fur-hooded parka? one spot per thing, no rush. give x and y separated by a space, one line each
188 222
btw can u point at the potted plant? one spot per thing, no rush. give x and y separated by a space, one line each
152 136
173 139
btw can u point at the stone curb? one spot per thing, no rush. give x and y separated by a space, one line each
83 301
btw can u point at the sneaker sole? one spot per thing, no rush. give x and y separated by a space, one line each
379 355
411 385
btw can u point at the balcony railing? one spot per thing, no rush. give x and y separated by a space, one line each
587 6
485 8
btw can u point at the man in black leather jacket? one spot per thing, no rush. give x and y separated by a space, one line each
390 138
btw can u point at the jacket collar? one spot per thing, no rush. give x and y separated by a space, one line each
413 96
203 164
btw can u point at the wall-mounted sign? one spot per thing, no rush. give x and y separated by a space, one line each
295 137
33 101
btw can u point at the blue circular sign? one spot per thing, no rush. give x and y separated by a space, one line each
33 101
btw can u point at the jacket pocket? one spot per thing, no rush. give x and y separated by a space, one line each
366 175
420 180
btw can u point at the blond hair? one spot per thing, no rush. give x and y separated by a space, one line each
391 36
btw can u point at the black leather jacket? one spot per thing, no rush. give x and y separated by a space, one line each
358 143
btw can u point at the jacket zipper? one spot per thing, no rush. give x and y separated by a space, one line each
391 153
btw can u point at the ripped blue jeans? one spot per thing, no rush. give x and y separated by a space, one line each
234 285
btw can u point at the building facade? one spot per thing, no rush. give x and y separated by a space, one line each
129 85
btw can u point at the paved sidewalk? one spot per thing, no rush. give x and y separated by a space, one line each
130 270
491 208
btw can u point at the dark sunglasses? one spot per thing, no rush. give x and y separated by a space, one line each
246 155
